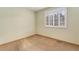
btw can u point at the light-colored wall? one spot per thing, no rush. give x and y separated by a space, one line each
16 23
77 26
78 31
70 34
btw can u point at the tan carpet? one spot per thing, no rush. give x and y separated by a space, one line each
39 43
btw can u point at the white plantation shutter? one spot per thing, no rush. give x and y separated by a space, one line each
56 18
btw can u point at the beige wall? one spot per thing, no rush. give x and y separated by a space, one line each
16 23
70 34
77 26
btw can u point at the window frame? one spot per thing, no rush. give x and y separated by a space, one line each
55 11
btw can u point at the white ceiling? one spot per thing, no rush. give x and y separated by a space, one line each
36 8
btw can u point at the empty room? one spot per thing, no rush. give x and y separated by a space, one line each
39 28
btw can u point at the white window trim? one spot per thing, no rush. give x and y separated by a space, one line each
52 11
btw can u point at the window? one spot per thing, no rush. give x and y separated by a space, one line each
56 18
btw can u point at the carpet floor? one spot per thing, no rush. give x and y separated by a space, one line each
39 43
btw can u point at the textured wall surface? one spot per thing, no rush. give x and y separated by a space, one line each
16 23
69 34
